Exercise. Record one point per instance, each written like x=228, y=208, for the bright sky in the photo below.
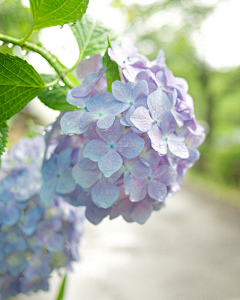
x=218, y=43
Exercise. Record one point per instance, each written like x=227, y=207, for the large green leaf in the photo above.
x=91, y=36
x=3, y=137
x=19, y=83
x=112, y=72
x=48, y=13
x=55, y=97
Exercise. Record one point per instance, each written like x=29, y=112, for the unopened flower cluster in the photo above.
x=35, y=238
x=128, y=150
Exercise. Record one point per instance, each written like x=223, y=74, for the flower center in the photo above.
x=155, y=121
x=149, y=177
x=131, y=103
x=111, y=146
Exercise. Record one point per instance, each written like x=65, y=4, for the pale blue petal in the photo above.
x=128, y=183
x=165, y=174
x=130, y=145
x=106, y=96
x=151, y=157
x=168, y=125
x=177, y=146
x=144, y=161
x=85, y=178
x=158, y=104
x=96, y=105
x=140, y=90
x=77, y=101
x=54, y=243
x=110, y=162
x=104, y=193
x=89, y=81
x=88, y=118
x=47, y=190
x=157, y=190
x=122, y=91
x=66, y=183
x=70, y=122
x=64, y=160
x=95, y=149
x=141, y=212
x=105, y=122
x=141, y=119
x=156, y=135
x=113, y=107
x=50, y=169
x=140, y=170
x=87, y=164
x=115, y=176
x=112, y=135
x=10, y=216
x=178, y=118
x=139, y=192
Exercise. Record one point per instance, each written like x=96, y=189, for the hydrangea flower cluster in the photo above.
x=128, y=150
x=35, y=238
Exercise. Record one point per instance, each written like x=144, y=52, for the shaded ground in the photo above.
x=188, y=251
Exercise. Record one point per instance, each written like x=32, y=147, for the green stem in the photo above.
x=27, y=36
x=75, y=65
x=53, y=82
x=50, y=58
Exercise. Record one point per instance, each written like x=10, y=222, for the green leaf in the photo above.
x=3, y=137
x=48, y=13
x=19, y=84
x=55, y=98
x=112, y=72
x=62, y=289
x=91, y=36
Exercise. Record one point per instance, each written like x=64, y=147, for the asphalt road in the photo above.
x=189, y=250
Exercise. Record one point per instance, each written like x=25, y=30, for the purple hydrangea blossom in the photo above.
x=127, y=160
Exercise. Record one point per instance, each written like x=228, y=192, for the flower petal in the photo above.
x=85, y=178
x=10, y=216
x=122, y=91
x=139, y=191
x=165, y=174
x=64, y=159
x=177, y=146
x=66, y=183
x=54, y=243
x=105, y=122
x=110, y=163
x=141, y=212
x=141, y=119
x=47, y=190
x=95, y=149
x=112, y=135
x=88, y=118
x=140, y=90
x=140, y=170
x=157, y=190
x=104, y=193
x=130, y=145
x=77, y=101
x=70, y=122
x=158, y=104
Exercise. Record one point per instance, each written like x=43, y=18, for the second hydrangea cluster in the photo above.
x=35, y=237
x=128, y=150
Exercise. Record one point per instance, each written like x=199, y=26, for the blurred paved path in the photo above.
x=188, y=251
